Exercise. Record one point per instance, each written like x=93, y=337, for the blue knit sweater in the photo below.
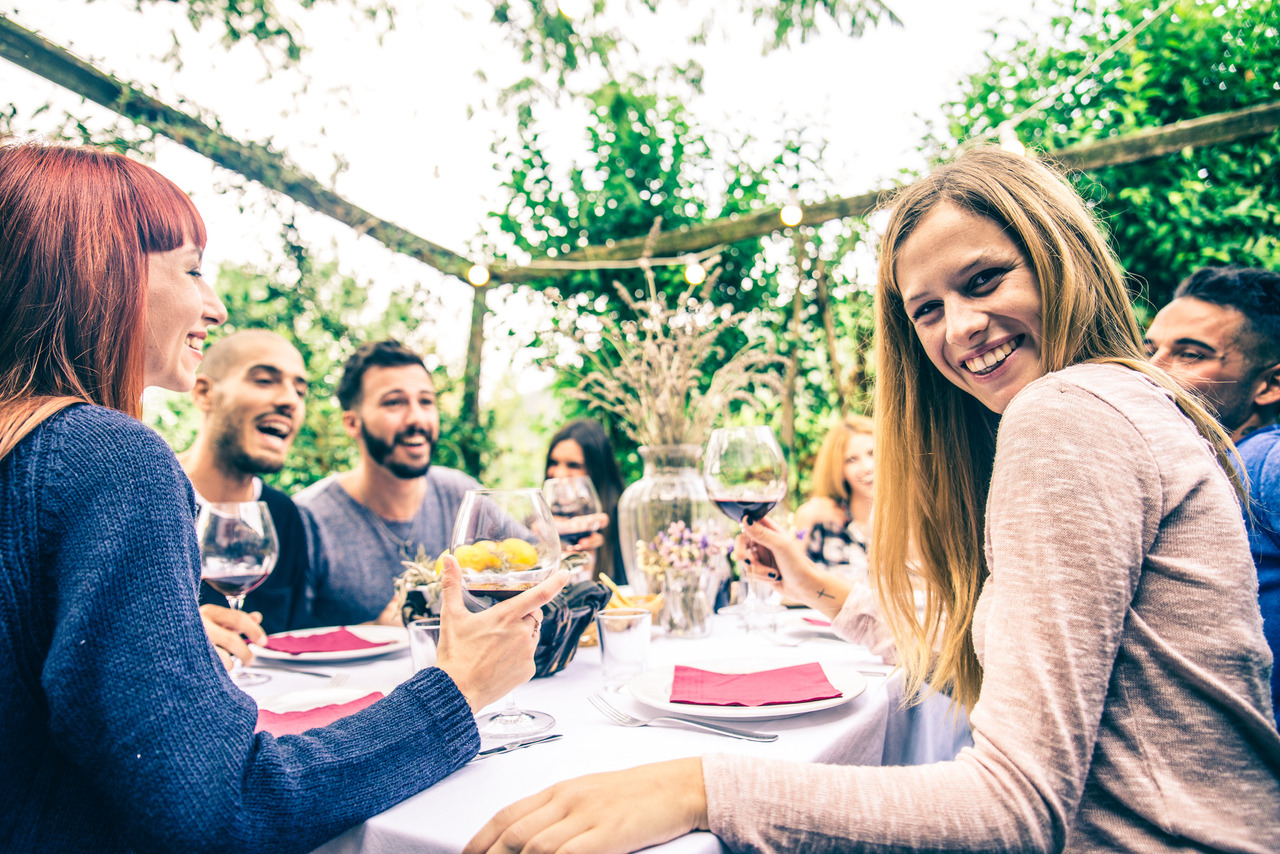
x=120, y=729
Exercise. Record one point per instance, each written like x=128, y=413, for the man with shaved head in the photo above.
x=251, y=392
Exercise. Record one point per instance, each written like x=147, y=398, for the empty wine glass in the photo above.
x=238, y=550
x=506, y=541
x=746, y=476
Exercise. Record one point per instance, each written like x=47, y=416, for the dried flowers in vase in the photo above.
x=648, y=373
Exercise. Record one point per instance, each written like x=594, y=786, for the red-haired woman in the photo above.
x=123, y=729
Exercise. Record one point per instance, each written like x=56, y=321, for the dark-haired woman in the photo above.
x=582, y=449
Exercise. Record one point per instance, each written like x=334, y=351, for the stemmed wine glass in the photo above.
x=238, y=550
x=575, y=506
x=505, y=541
x=746, y=476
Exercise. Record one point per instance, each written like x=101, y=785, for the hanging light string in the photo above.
x=1056, y=91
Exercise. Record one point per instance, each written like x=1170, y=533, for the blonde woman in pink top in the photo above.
x=1090, y=596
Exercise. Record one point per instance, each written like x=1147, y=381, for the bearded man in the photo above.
x=363, y=523
x=251, y=392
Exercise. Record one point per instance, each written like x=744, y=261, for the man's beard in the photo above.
x=231, y=455
x=379, y=451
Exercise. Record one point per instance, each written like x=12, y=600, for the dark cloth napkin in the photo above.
x=801, y=683
x=338, y=640
x=294, y=723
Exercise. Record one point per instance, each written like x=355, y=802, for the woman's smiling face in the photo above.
x=974, y=302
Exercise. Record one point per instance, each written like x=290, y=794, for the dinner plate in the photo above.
x=396, y=638
x=794, y=623
x=301, y=701
x=653, y=688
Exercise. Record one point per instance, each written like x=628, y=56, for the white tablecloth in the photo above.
x=869, y=730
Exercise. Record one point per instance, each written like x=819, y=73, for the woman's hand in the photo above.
x=602, y=813
x=490, y=653
x=777, y=558
x=227, y=628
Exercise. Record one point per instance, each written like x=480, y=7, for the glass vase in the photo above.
x=672, y=491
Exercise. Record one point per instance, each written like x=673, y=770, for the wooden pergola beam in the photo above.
x=257, y=162
x=1142, y=145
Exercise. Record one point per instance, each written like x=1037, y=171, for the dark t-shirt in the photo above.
x=282, y=597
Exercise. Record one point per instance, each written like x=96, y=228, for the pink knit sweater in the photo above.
x=1125, y=703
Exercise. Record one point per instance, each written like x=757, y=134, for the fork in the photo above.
x=627, y=720
x=337, y=680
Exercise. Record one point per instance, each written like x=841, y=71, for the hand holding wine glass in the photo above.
x=746, y=476
x=238, y=550
x=577, y=510
x=506, y=541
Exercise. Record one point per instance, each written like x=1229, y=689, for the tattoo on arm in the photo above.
x=823, y=594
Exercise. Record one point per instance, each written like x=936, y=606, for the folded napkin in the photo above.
x=293, y=723
x=338, y=640
x=814, y=621
x=801, y=683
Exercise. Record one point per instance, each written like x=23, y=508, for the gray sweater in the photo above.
x=356, y=555
x=1125, y=703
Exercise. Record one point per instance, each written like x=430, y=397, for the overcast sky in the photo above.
x=414, y=125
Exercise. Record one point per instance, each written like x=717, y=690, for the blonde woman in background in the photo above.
x=837, y=517
x=1091, y=597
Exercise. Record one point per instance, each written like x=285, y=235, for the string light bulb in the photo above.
x=478, y=275
x=694, y=273
x=575, y=9
x=791, y=214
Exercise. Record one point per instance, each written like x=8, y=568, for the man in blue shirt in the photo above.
x=1220, y=336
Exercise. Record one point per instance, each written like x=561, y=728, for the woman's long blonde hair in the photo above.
x=935, y=444
x=828, y=466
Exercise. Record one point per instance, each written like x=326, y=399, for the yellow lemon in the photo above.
x=440, y=562
x=472, y=557
x=492, y=552
x=518, y=553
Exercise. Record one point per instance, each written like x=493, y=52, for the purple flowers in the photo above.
x=680, y=547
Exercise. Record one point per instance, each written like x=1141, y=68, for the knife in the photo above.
x=516, y=745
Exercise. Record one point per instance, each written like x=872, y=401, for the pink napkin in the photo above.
x=814, y=621
x=294, y=723
x=338, y=640
x=801, y=683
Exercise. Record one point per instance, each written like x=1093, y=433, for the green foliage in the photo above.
x=326, y=315
x=802, y=17
x=1212, y=205
x=261, y=22
x=650, y=161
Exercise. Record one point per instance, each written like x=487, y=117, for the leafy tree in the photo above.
x=1213, y=205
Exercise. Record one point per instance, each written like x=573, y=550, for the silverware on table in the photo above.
x=627, y=720
x=516, y=745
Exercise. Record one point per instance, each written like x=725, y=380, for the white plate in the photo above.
x=396, y=637
x=653, y=688
x=793, y=622
x=301, y=701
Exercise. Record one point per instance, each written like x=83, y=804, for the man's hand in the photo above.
x=602, y=813
x=225, y=627
x=490, y=653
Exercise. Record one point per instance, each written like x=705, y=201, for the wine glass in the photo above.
x=506, y=541
x=746, y=476
x=575, y=506
x=238, y=549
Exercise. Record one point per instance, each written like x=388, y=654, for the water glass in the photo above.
x=624, y=644
x=424, y=636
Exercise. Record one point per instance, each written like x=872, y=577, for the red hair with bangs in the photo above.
x=76, y=226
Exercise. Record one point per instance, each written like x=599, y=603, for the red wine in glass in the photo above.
x=740, y=509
